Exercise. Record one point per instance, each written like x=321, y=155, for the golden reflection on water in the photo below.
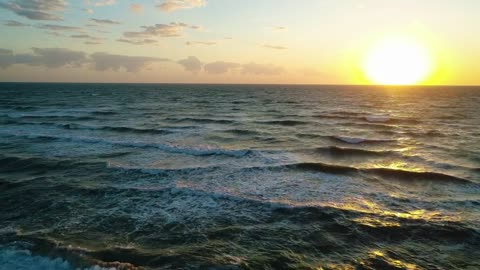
x=377, y=254
x=381, y=214
x=375, y=222
x=397, y=165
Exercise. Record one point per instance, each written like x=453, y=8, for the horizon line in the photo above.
x=289, y=84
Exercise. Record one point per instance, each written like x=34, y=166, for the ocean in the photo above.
x=165, y=176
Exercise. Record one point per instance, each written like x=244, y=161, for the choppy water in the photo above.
x=100, y=176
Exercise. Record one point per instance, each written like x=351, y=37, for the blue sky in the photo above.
x=227, y=41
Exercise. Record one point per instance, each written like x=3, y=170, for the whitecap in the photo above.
x=15, y=259
x=351, y=140
x=377, y=118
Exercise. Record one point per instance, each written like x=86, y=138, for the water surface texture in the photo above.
x=110, y=176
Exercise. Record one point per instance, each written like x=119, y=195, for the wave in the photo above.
x=103, y=113
x=200, y=120
x=348, y=152
x=356, y=140
x=382, y=172
x=242, y=132
x=170, y=148
x=121, y=129
x=23, y=259
x=283, y=122
x=414, y=175
x=49, y=116
x=16, y=164
x=377, y=118
x=322, y=167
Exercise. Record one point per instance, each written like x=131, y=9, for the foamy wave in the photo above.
x=356, y=140
x=377, y=118
x=170, y=148
x=24, y=260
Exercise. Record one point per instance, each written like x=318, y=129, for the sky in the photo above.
x=229, y=41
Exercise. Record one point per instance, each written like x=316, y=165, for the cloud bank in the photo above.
x=102, y=61
x=220, y=67
x=61, y=57
x=52, y=57
x=115, y=62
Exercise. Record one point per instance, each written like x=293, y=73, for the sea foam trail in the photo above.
x=170, y=148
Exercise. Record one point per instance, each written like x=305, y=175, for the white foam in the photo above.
x=167, y=147
x=351, y=140
x=377, y=118
x=14, y=259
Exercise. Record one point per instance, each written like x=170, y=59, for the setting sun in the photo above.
x=398, y=61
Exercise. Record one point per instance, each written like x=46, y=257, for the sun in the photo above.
x=397, y=61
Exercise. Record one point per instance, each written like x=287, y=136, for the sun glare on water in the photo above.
x=397, y=61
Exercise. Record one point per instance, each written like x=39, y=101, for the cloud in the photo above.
x=60, y=57
x=138, y=42
x=106, y=61
x=52, y=57
x=172, y=5
x=7, y=58
x=208, y=43
x=274, y=47
x=92, y=42
x=85, y=36
x=57, y=27
x=104, y=21
x=279, y=28
x=261, y=69
x=89, y=40
x=36, y=9
x=55, y=34
x=136, y=8
x=100, y=3
x=88, y=10
x=191, y=64
x=163, y=30
x=220, y=67
x=12, y=23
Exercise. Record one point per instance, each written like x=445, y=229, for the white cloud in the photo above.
x=88, y=10
x=100, y=3
x=172, y=5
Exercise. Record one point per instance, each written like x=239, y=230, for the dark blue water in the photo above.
x=97, y=176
